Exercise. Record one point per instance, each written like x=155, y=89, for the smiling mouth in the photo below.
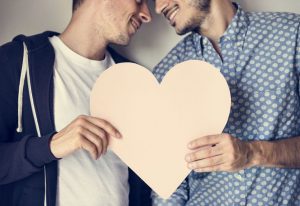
x=170, y=14
x=135, y=24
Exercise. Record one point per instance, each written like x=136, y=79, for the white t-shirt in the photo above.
x=83, y=181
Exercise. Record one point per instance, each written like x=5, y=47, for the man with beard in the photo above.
x=255, y=160
x=48, y=92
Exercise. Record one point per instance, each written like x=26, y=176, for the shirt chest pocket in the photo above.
x=267, y=114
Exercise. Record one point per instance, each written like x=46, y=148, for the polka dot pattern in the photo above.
x=261, y=63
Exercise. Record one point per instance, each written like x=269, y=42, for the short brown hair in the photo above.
x=76, y=4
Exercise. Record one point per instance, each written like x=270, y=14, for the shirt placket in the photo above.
x=231, y=73
x=210, y=55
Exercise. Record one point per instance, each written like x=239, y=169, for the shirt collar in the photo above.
x=236, y=30
x=238, y=27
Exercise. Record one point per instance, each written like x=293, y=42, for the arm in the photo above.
x=20, y=155
x=15, y=161
x=227, y=153
x=16, y=149
x=280, y=153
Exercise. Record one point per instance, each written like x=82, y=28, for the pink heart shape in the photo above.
x=158, y=120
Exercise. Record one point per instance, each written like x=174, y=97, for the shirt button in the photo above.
x=205, y=41
x=239, y=177
x=239, y=44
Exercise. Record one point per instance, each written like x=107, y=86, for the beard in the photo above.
x=121, y=39
x=202, y=5
x=194, y=23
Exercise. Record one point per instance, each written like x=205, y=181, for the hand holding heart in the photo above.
x=219, y=153
x=157, y=121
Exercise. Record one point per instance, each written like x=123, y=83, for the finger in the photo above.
x=100, y=133
x=208, y=162
x=106, y=126
x=96, y=130
x=204, y=152
x=204, y=141
x=104, y=138
x=89, y=147
x=98, y=141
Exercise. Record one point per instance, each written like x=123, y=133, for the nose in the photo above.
x=160, y=5
x=144, y=13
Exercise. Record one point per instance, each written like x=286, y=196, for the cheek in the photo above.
x=116, y=11
x=117, y=22
x=189, y=14
x=122, y=20
x=183, y=16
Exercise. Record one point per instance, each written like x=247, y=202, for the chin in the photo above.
x=123, y=43
x=185, y=28
x=182, y=31
x=122, y=40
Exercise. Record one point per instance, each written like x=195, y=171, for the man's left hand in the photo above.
x=219, y=153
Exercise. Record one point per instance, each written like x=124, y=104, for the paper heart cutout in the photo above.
x=158, y=120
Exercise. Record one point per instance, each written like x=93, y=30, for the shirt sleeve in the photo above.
x=20, y=155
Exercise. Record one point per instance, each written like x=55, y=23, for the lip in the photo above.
x=135, y=24
x=170, y=14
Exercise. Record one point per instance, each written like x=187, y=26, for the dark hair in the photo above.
x=76, y=4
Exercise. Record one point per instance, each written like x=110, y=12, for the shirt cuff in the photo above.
x=38, y=150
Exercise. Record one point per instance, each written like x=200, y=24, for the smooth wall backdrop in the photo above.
x=148, y=46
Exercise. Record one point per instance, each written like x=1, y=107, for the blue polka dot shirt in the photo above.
x=261, y=63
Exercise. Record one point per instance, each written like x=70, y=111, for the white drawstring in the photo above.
x=37, y=126
x=21, y=88
x=24, y=71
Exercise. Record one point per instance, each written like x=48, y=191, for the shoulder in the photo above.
x=279, y=27
x=11, y=53
x=274, y=19
x=11, y=56
x=183, y=46
x=175, y=56
x=13, y=50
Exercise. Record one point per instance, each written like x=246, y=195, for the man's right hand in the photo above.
x=85, y=132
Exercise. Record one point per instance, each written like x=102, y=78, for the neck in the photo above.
x=219, y=18
x=83, y=38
